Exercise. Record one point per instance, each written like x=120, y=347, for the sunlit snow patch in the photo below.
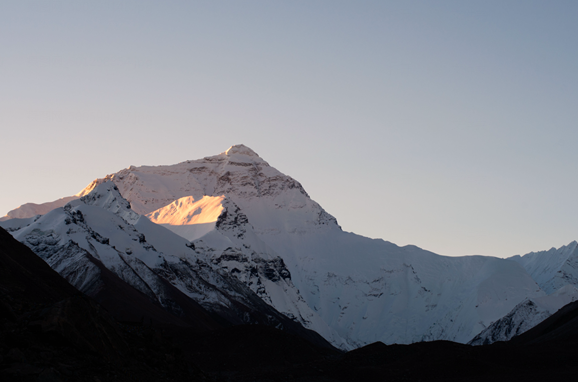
x=190, y=218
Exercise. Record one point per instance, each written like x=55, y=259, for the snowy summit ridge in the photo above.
x=240, y=150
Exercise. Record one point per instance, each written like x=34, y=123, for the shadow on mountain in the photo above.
x=51, y=332
x=546, y=352
x=561, y=327
x=130, y=306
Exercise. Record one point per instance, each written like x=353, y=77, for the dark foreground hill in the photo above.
x=51, y=332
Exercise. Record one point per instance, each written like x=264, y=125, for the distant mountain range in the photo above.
x=228, y=240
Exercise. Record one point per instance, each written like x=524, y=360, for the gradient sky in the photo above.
x=451, y=125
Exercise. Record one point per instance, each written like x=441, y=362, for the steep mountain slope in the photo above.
x=525, y=316
x=51, y=332
x=373, y=290
x=98, y=237
x=226, y=239
x=561, y=328
x=33, y=209
x=248, y=220
x=554, y=268
x=25, y=276
x=556, y=272
x=366, y=289
x=48, y=332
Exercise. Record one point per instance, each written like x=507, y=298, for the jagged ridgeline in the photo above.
x=248, y=244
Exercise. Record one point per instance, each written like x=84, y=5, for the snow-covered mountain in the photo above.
x=526, y=315
x=101, y=229
x=556, y=272
x=32, y=209
x=552, y=269
x=245, y=219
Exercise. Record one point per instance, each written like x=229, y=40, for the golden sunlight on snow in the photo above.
x=188, y=211
x=87, y=189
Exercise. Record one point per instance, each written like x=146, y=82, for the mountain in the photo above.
x=230, y=228
x=98, y=238
x=32, y=209
x=525, y=316
x=552, y=269
x=51, y=332
x=556, y=272
x=560, y=328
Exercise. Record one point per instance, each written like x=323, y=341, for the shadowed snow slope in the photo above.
x=554, y=268
x=526, y=315
x=556, y=272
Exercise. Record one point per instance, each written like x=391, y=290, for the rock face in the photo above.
x=231, y=222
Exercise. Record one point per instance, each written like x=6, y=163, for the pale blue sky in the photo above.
x=450, y=125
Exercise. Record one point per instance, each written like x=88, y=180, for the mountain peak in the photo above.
x=107, y=196
x=240, y=150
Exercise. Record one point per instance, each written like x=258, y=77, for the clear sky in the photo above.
x=451, y=125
